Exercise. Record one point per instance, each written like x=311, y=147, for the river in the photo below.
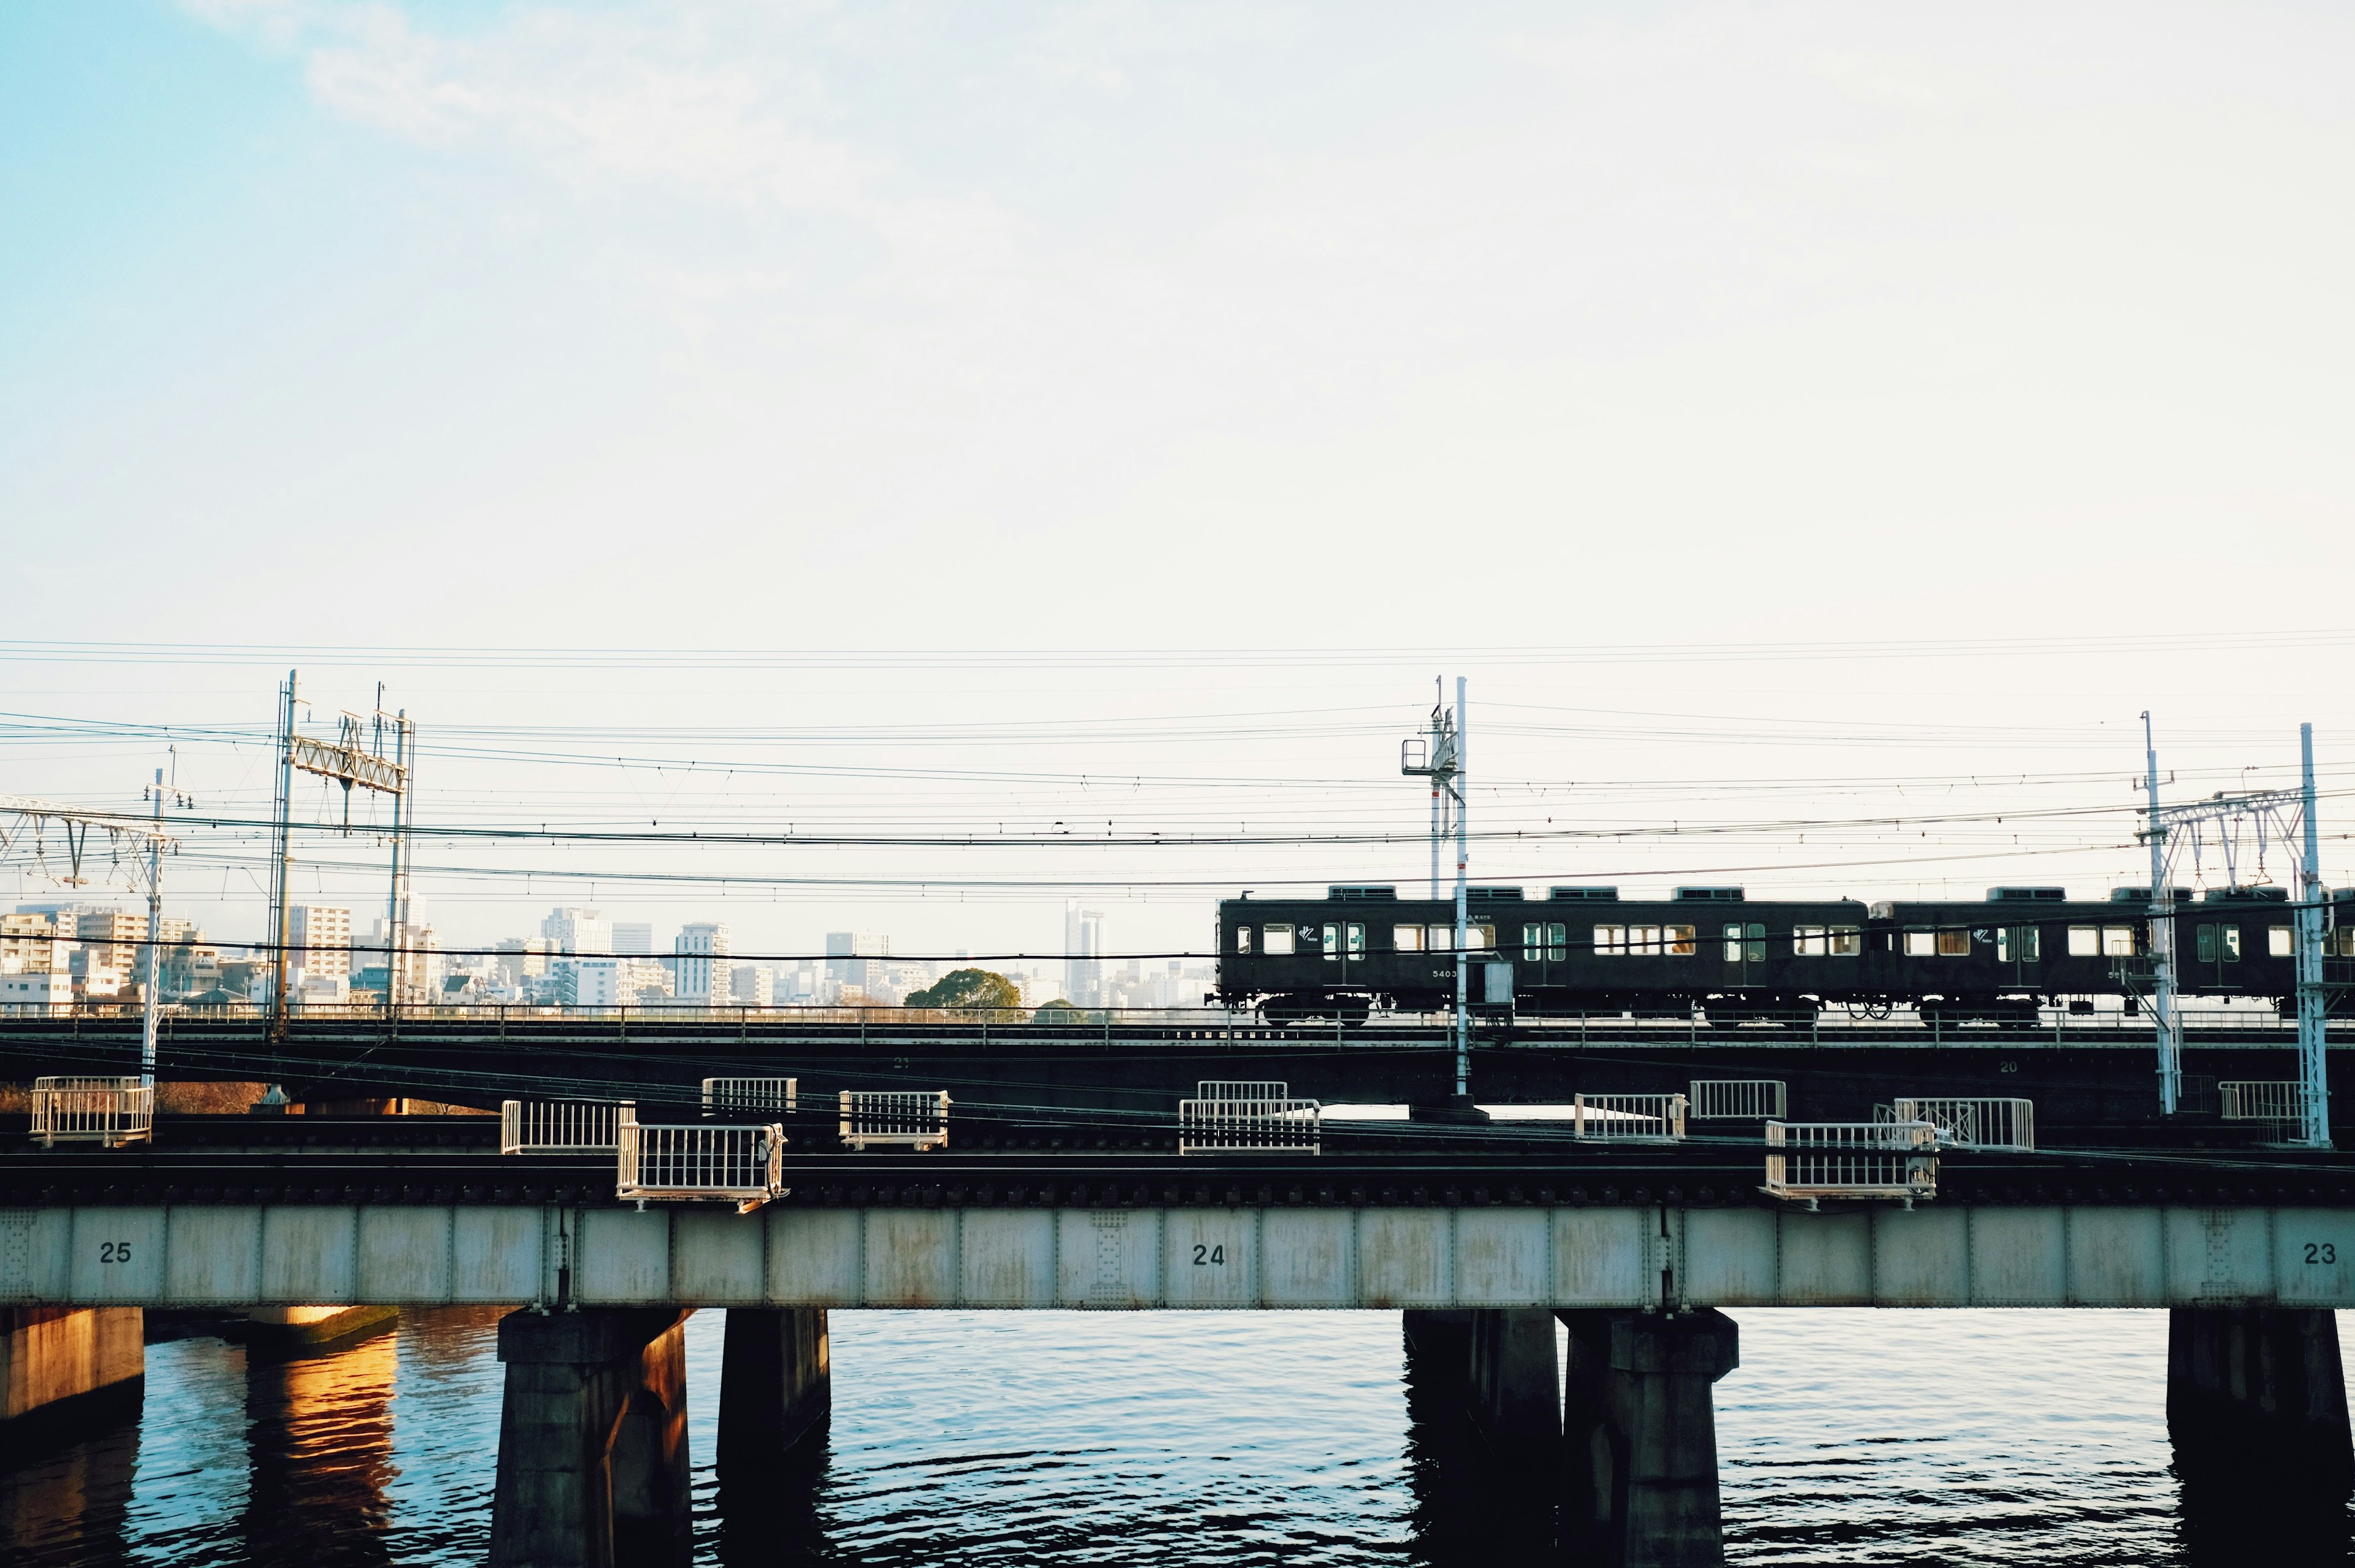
x=1165, y=1438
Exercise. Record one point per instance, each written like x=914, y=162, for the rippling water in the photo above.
x=1073, y=1438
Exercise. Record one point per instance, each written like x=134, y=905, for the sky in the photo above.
x=921, y=417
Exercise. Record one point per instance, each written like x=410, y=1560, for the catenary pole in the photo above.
x=2166, y=1021
x=281, y=870
x=1463, y=903
x=2313, y=1023
x=148, y=986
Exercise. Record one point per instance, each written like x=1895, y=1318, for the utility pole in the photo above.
x=396, y=914
x=2167, y=1018
x=151, y=983
x=282, y=865
x=1463, y=910
x=1439, y=756
x=2313, y=1011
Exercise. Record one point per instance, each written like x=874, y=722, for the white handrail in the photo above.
x=692, y=1160
x=2262, y=1100
x=562, y=1127
x=752, y=1094
x=1241, y=1089
x=108, y=1112
x=1851, y=1159
x=917, y=1119
x=1964, y=1123
x=1655, y=1116
x=1739, y=1099
x=1276, y=1125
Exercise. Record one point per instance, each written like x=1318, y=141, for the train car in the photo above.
x=1585, y=949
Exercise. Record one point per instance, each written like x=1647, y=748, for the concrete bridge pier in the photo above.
x=2256, y=1403
x=592, y=1440
x=283, y=1333
x=775, y=1385
x=67, y=1370
x=1640, y=1437
x=1516, y=1376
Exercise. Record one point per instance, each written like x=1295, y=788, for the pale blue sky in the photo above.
x=1121, y=325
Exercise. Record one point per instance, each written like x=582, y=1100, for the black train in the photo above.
x=1585, y=949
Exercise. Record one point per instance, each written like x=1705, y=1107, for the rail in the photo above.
x=699, y=1161
x=722, y=1094
x=1993, y=1124
x=2259, y=1100
x=1657, y=1118
x=562, y=1127
x=2054, y=1024
x=895, y=1117
x=110, y=1111
x=1813, y=1160
x=1739, y=1100
x=1233, y=1125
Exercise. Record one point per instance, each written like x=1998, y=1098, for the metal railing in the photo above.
x=562, y=1127
x=1241, y=1089
x=724, y=1094
x=2261, y=1100
x=1851, y=1159
x=1660, y=1117
x=1739, y=1099
x=1971, y=1123
x=108, y=1112
x=2055, y=1024
x=1275, y=1123
x=914, y=1119
x=696, y=1160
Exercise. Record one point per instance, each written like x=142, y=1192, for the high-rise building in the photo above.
x=634, y=936
x=752, y=986
x=570, y=930
x=28, y=942
x=700, y=964
x=847, y=961
x=121, y=930
x=1083, y=946
x=521, y=957
x=320, y=939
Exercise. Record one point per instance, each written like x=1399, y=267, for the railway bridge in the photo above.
x=1483, y=1236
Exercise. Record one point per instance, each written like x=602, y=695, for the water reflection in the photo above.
x=1170, y=1438
x=319, y=1438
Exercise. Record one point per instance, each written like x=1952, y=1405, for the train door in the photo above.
x=1745, y=953
x=2215, y=955
x=1345, y=944
x=2019, y=950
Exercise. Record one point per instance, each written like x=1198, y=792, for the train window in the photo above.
x=1549, y=943
x=1277, y=940
x=1242, y=938
x=1681, y=941
x=1733, y=945
x=1847, y=942
x=1350, y=938
x=1440, y=939
x=2232, y=939
x=2117, y=942
x=1807, y=941
x=1753, y=941
x=2084, y=942
x=2346, y=936
x=1407, y=938
x=1483, y=936
x=2017, y=944
x=2203, y=945
x=2277, y=943
x=1921, y=944
x=1610, y=941
x=1645, y=940
x=1954, y=945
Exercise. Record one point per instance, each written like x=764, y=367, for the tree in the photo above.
x=967, y=988
x=1057, y=1011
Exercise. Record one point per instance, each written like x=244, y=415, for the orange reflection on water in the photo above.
x=319, y=1439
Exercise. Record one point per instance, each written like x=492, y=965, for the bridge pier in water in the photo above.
x=1640, y=1436
x=592, y=1440
x=776, y=1385
x=67, y=1370
x=2256, y=1408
